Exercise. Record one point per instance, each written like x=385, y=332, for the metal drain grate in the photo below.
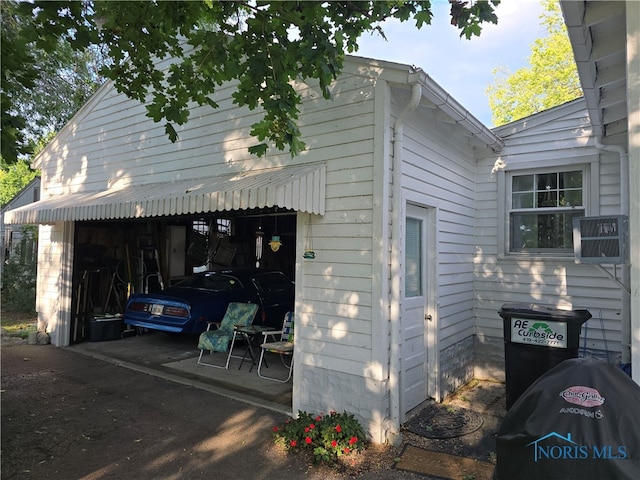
x=442, y=421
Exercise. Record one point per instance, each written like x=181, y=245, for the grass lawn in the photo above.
x=17, y=324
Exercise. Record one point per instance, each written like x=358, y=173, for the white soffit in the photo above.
x=598, y=35
x=300, y=188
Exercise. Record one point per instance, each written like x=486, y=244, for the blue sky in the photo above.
x=462, y=67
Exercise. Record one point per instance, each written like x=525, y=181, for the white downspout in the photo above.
x=396, y=255
x=625, y=275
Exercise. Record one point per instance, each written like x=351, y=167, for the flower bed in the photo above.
x=328, y=436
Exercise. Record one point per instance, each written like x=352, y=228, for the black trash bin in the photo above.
x=536, y=339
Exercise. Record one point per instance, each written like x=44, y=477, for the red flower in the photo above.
x=353, y=440
x=308, y=440
x=346, y=450
x=312, y=426
x=334, y=444
x=293, y=443
x=306, y=430
x=275, y=429
x=318, y=418
x=338, y=428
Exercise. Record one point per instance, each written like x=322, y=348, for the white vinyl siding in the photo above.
x=111, y=143
x=129, y=148
x=439, y=170
x=344, y=298
x=547, y=141
x=53, y=298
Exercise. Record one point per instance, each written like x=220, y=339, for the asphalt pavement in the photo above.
x=67, y=415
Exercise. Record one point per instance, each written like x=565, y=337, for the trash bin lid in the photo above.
x=545, y=312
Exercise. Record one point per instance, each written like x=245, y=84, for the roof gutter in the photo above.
x=624, y=172
x=421, y=85
x=445, y=102
x=625, y=274
x=396, y=258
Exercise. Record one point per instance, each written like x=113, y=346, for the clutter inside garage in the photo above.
x=114, y=259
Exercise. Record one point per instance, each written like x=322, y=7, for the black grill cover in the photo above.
x=580, y=420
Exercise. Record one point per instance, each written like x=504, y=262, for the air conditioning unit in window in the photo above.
x=601, y=240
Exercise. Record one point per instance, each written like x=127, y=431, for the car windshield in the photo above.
x=272, y=282
x=211, y=281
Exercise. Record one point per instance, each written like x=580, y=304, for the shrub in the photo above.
x=19, y=276
x=329, y=436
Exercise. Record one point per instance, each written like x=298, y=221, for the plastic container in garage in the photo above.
x=105, y=328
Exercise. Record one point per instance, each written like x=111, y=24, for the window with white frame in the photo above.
x=543, y=205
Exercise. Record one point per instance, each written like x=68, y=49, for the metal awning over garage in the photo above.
x=300, y=188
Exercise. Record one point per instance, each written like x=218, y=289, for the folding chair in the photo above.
x=283, y=347
x=237, y=314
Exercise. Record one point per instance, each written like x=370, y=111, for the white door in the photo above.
x=415, y=317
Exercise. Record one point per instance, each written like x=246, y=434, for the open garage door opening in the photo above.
x=115, y=260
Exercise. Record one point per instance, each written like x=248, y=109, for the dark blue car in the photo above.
x=187, y=306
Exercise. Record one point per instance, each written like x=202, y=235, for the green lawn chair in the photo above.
x=218, y=340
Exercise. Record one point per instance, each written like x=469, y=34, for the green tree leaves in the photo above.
x=45, y=78
x=14, y=178
x=550, y=80
x=469, y=17
x=263, y=45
